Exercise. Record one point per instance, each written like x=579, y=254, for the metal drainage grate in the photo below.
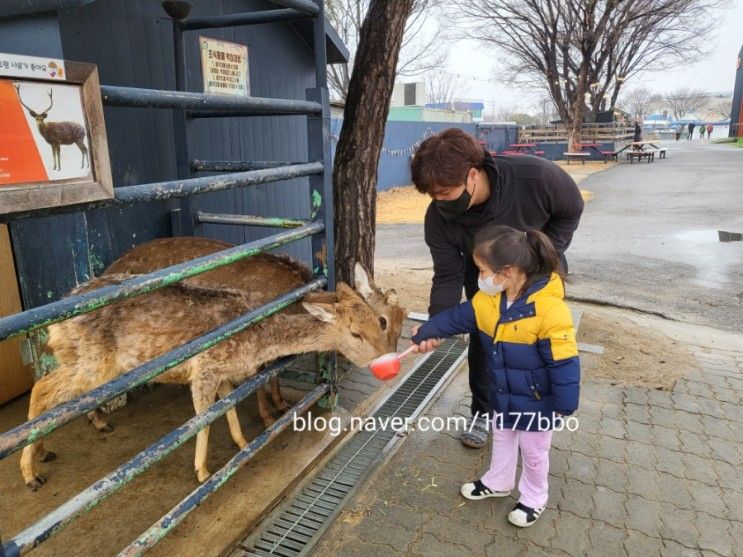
x=303, y=519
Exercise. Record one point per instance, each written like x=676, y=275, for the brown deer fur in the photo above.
x=264, y=276
x=97, y=347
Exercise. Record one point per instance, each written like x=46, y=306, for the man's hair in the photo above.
x=443, y=160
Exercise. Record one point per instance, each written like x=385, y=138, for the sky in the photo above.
x=479, y=80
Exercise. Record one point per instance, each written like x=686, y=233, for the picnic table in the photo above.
x=641, y=148
x=523, y=149
x=607, y=155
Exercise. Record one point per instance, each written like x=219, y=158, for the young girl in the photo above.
x=527, y=331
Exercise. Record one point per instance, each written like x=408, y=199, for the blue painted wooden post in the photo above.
x=321, y=192
x=182, y=218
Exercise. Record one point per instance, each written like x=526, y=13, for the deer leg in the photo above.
x=96, y=418
x=84, y=151
x=276, y=397
x=44, y=395
x=55, y=154
x=263, y=407
x=204, y=392
x=223, y=390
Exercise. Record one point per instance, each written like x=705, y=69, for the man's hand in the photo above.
x=427, y=345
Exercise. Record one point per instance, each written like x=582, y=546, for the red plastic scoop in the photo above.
x=388, y=366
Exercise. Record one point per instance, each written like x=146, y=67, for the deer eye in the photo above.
x=383, y=322
x=356, y=335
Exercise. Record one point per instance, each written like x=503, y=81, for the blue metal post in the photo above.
x=87, y=499
x=176, y=515
x=321, y=191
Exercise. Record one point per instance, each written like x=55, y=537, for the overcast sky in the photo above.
x=715, y=73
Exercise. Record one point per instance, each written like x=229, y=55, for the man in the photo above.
x=469, y=189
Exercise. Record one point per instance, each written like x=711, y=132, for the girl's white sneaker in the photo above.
x=477, y=490
x=523, y=516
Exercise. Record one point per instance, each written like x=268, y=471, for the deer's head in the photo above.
x=39, y=117
x=356, y=329
x=385, y=304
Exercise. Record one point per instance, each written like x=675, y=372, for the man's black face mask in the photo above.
x=451, y=209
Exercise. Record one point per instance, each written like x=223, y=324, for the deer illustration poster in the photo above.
x=43, y=134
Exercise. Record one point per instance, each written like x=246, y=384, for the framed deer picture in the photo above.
x=53, y=148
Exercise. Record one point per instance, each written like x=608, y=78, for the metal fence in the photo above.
x=233, y=174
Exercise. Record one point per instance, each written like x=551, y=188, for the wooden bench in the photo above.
x=610, y=155
x=639, y=155
x=577, y=157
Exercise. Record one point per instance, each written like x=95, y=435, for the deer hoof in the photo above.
x=49, y=456
x=36, y=482
x=202, y=475
x=283, y=406
x=106, y=428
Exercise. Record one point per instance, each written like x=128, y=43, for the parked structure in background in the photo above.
x=736, y=113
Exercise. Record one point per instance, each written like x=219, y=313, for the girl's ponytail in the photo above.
x=548, y=261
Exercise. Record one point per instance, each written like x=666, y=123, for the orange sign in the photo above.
x=20, y=160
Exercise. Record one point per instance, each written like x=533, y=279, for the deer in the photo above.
x=58, y=133
x=96, y=347
x=265, y=275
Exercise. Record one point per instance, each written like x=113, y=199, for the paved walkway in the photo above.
x=647, y=473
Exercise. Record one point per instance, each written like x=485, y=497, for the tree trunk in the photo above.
x=575, y=126
x=360, y=142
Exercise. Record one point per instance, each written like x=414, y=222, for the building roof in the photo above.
x=336, y=51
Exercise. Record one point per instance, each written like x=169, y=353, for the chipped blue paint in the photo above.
x=176, y=515
x=83, y=303
x=87, y=499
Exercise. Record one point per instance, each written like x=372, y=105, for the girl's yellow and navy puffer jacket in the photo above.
x=532, y=353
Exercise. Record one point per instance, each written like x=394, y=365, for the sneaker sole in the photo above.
x=496, y=494
x=522, y=525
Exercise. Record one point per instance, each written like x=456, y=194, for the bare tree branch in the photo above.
x=585, y=51
x=425, y=44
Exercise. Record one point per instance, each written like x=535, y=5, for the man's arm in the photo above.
x=565, y=206
x=448, y=265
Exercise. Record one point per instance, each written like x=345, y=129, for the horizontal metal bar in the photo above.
x=249, y=220
x=206, y=184
x=162, y=527
x=157, y=98
x=43, y=425
x=141, y=284
x=237, y=166
x=247, y=18
x=158, y=191
x=302, y=5
x=84, y=501
x=19, y=7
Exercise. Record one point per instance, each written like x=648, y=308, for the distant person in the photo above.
x=638, y=132
x=710, y=127
x=692, y=125
x=701, y=132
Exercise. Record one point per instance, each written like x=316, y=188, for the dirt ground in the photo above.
x=407, y=205
x=633, y=354
x=85, y=455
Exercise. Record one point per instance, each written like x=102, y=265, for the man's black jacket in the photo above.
x=526, y=193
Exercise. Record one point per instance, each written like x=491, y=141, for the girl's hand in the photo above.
x=427, y=345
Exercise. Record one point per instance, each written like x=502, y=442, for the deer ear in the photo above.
x=322, y=312
x=344, y=291
x=391, y=297
x=361, y=280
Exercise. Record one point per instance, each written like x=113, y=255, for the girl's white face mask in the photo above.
x=489, y=287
